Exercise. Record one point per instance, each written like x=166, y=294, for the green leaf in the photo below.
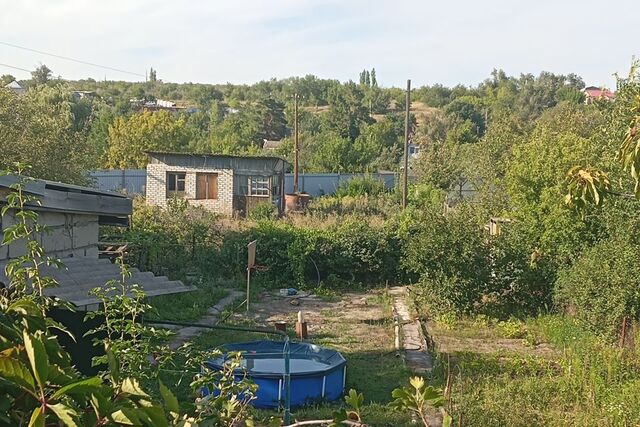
x=14, y=370
x=65, y=414
x=446, y=419
x=114, y=365
x=155, y=416
x=170, y=400
x=126, y=416
x=37, y=357
x=37, y=418
x=132, y=387
x=86, y=386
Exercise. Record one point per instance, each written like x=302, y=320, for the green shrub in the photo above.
x=263, y=212
x=361, y=186
x=603, y=286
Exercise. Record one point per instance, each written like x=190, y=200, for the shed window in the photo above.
x=176, y=184
x=206, y=186
x=259, y=186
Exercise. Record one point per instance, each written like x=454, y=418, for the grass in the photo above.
x=583, y=382
x=188, y=306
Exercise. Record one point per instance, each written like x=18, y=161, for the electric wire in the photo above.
x=67, y=58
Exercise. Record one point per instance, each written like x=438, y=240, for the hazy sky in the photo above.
x=243, y=41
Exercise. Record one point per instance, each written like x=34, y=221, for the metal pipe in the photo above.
x=286, y=350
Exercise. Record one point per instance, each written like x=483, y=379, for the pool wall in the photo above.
x=306, y=387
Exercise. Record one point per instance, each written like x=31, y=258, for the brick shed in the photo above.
x=225, y=184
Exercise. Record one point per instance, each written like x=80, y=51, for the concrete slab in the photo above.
x=412, y=340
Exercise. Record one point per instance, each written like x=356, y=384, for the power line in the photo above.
x=66, y=58
x=15, y=68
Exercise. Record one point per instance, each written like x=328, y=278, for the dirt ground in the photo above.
x=360, y=316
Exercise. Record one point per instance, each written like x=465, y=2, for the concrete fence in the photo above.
x=134, y=181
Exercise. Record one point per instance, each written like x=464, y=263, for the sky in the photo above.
x=244, y=41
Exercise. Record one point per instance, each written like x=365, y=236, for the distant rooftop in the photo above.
x=13, y=85
x=598, y=92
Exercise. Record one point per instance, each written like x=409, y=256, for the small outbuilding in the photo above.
x=225, y=184
x=73, y=215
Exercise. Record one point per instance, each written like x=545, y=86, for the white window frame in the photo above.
x=259, y=186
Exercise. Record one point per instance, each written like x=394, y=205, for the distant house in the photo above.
x=271, y=145
x=414, y=150
x=15, y=87
x=593, y=93
x=224, y=184
x=84, y=94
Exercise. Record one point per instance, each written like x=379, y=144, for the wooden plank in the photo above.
x=212, y=186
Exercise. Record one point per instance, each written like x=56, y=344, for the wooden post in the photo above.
x=248, y=286
x=405, y=160
x=296, y=146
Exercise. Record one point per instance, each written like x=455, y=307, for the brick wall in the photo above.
x=157, y=187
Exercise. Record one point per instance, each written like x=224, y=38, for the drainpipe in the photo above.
x=286, y=352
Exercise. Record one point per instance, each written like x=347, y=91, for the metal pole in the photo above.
x=287, y=381
x=296, y=146
x=405, y=161
x=248, y=286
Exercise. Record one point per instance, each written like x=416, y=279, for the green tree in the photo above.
x=5, y=79
x=347, y=112
x=129, y=138
x=38, y=129
x=41, y=75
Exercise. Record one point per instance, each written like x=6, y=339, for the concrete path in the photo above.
x=184, y=334
x=412, y=341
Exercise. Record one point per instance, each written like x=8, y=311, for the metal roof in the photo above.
x=156, y=154
x=113, y=208
x=82, y=274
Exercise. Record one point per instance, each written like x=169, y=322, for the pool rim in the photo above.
x=341, y=364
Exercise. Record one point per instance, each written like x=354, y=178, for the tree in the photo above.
x=41, y=75
x=535, y=178
x=38, y=129
x=5, y=79
x=374, y=80
x=129, y=138
x=346, y=112
x=153, y=75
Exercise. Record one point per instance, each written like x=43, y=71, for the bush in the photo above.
x=350, y=252
x=361, y=186
x=448, y=254
x=263, y=212
x=603, y=286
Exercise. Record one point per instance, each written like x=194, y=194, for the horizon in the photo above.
x=449, y=44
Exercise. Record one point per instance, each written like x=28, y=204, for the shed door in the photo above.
x=206, y=186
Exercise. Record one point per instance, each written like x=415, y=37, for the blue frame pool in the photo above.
x=317, y=373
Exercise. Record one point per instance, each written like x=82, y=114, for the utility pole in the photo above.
x=405, y=160
x=296, y=146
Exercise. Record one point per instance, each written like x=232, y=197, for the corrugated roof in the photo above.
x=222, y=156
x=82, y=274
x=71, y=198
x=13, y=85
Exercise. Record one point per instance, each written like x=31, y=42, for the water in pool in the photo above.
x=276, y=365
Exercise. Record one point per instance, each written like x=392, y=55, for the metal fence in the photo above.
x=133, y=181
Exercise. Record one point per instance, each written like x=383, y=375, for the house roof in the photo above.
x=597, y=92
x=112, y=208
x=13, y=85
x=156, y=154
x=271, y=145
x=82, y=274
